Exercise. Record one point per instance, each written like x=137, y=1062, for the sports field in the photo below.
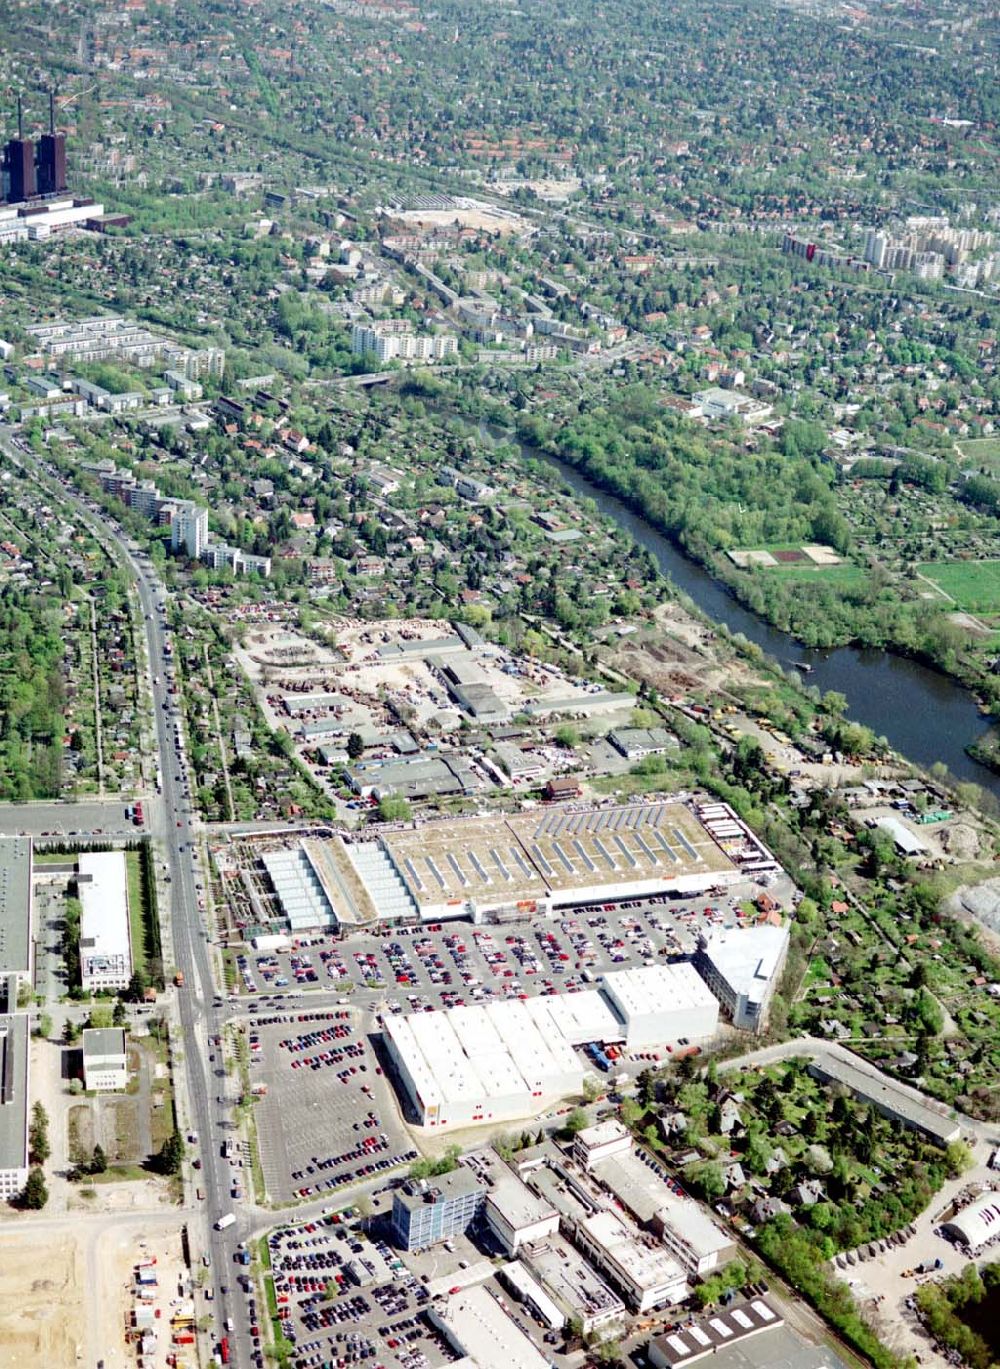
x=973, y=585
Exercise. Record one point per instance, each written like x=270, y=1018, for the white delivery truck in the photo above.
x=225, y=1221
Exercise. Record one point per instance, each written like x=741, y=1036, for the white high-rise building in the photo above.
x=189, y=530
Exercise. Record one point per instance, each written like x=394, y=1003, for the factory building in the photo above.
x=476, y=1326
x=662, y=1003
x=13, y=1095
x=683, y=1226
x=718, y=1332
x=742, y=967
x=105, y=940
x=428, y=1211
x=528, y=1290
x=573, y=1285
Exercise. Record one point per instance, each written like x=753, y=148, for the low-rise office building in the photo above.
x=516, y=1215
x=601, y=1142
x=646, y=1274
x=105, y=1059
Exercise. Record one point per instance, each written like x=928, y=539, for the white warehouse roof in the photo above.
x=662, y=1003
x=747, y=958
x=978, y=1223
x=103, y=890
x=577, y=1017
x=494, y=1059
x=475, y=1322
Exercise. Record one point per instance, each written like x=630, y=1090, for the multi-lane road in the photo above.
x=171, y=823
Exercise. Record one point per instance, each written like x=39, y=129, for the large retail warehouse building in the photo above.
x=500, y=868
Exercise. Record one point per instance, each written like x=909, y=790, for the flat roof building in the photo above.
x=707, y=1335
x=105, y=1059
x=428, y=1211
x=600, y=1142
x=105, y=937
x=646, y=1274
x=13, y=1104
x=683, y=1225
x=475, y=1324
x=892, y=1099
x=742, y=967
x=16, y=907
x=661, y=1003
x=528, y=1290
x=516, y=1215
x=491, y=1063
x=572, y=1284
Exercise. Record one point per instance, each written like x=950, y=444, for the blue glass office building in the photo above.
x=425, y=1212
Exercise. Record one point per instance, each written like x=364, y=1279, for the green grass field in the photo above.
x=844, y=576
x=981, y=451
x=974, y=585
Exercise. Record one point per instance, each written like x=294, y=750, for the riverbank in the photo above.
x=923, y=714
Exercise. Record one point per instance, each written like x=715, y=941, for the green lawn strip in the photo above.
x=135, y=911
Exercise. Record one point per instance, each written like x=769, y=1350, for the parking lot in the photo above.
x=411, y=969
x=325, y=1116
x=343, y=1299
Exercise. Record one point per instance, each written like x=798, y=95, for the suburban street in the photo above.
x=170, y=823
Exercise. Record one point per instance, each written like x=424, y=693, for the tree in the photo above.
x=171, y=1153
x=119, y=1017
x=958, y=1158
x=98, y=1161
x=708, y=1177
x=591, y=1090
x=38, y=1136
x=137, y=987
x=34, y=1195
x=394, y=808
x=355, y=745
x=44, y=1027
x=575, y=1122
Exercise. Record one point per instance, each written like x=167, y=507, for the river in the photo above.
x=923, y=714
